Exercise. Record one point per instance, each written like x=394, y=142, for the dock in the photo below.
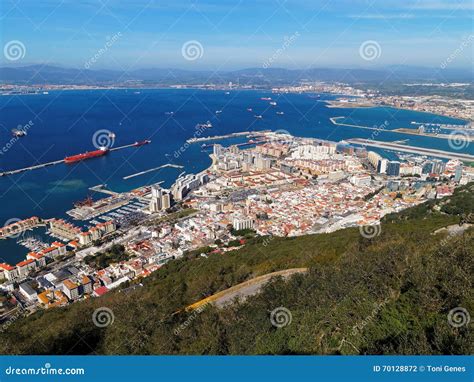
x=412, y=149
x=53, y=163
x=227, y=136
x=13, y=172
x=259, y=142
x=102, y=188
x=151, y=170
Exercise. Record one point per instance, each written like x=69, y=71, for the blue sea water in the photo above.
x=64, y=123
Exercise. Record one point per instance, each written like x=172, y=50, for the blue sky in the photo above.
x=237, y=34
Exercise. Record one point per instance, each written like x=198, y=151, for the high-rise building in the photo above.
x=382, y=166
x=187, y=183
x=427, y=168
x=239, y=224
x=218, y=150
x=160, y=199
x=374, y=158
x=438, y=166
x=393, y=168
x=155, y=202
x=155, y=205
x=156, y=192
x=458, y=174
x=165, y=201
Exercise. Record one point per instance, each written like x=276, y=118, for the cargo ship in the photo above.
x=87, y=155
x=141, y=143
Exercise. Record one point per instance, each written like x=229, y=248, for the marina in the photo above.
x=334, y=121
x=412, y=149
x=33, y=244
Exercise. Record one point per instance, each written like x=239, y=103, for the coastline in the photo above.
x=194, y=160
x=347, y=105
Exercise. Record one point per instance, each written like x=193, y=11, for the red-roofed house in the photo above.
x=8, y=272
x=24, y=267
x=50, y=252
x=60, y=246
x=73, y=244
x=100, y=291
x=38, y=257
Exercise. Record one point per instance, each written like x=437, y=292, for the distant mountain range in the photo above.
x=45, y=74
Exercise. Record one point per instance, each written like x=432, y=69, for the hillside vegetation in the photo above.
x=390, y=294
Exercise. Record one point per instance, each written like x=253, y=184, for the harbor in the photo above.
x=61, y=187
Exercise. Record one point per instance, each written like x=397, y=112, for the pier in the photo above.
x=102, y=188
x=151, y=170
x=47, y=164
x=258, y=142
x=12, y=172
x=412, y=149
x=227, y=136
